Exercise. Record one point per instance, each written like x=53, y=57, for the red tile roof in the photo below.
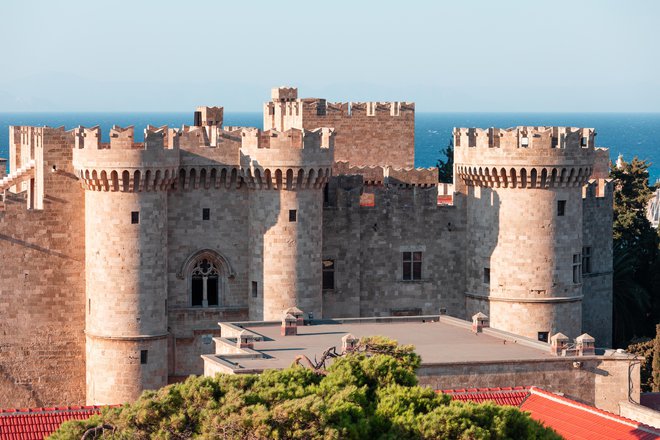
x=39, y=423
x=501, y=396
x=578, y=421
x=571, y=419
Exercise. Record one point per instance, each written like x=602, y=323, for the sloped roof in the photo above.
x=39, y=423
x=501, y=396
x=578, y=421
x=571, y=419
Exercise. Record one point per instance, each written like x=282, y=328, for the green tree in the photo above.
x=446, y=167
x=635, y=253
x=656, y=360
x=372, y=394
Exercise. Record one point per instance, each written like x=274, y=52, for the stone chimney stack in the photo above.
x=349, y=343
x=245, y=340
x=289, y=325
x=558, y=342
x=586, y=345
x=298, y=314
x=479, y=322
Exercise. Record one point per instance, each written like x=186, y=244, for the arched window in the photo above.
x=206, y=273
x=204, y=284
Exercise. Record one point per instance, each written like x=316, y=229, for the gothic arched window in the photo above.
x=204, y=284
x=206, y=273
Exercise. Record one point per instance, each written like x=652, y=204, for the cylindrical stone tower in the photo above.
x=523, y=190
x=286, y=172
x=126, y=260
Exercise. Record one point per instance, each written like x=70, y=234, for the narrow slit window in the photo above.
x=328, y=274
x=486, y=275
x=293, y=215
x=561, y=208
x=586, y=259
x=206, y=214
x=144, y=356
x=255, y=289
x=135, y=217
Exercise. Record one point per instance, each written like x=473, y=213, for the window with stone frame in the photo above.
x=577, y=268
x=204, y=284
x=412, y=266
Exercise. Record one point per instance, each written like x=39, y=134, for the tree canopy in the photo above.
x=446, y=167
x=636, y=263
x=368, y=394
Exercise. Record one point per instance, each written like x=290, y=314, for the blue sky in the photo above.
x=540, y=56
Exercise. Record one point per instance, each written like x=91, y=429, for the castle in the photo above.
x=120, y=258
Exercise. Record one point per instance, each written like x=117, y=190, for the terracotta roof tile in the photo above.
x=38, y=423
x=512, y=396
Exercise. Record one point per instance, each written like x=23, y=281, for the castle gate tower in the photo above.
x=126, y=257
x=523, y=191
x=286, y=173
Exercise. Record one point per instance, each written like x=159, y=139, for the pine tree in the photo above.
x=446, y=168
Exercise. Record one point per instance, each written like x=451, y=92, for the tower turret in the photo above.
x=126, y=257
x=286, y=172
x=523, y=189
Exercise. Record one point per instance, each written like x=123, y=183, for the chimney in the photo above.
x=558, y=343
x=586, y=345
x=479, y=322
x=245, y=340
x=349, y=343
x=297, y=313
x=289, y=325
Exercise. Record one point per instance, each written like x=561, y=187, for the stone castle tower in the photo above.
x=523, y=191
x=125, y=264
x=286, y=173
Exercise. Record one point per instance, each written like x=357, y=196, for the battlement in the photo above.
x=320, y=138
x=282, y=94
x=122, y=164
x=318, y=107
x=290, y=159
x=528, y=137
x=210, y=116
x=391, y=176
x=598, y=189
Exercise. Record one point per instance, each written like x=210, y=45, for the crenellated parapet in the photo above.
x=123, y=164
x=390, y=176
x=287, y=160
x=526, y=157
x=318, y=107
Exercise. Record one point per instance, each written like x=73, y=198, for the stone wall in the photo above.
x=42, y=297
x=367, y=242
x=595, y=381
x=597, y=283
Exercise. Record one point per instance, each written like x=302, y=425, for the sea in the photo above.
x=628, y=134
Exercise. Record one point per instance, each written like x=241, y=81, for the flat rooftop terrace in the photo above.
x=438, y=340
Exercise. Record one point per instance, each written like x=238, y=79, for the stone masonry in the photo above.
x=120, y=258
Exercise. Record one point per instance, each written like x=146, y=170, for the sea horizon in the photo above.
x=628, y=133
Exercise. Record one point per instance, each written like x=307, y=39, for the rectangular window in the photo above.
x=486, y=275
x=255, y=289
x=328, y=274
x=583, y=142
x=293, y=215
x=524, y=142
x=577, y=268
x=561, y=208
x=206, y=213
x=143, y=356
x=135, y=217
x=412, y=266
x=586, y=259
x=543, y=336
